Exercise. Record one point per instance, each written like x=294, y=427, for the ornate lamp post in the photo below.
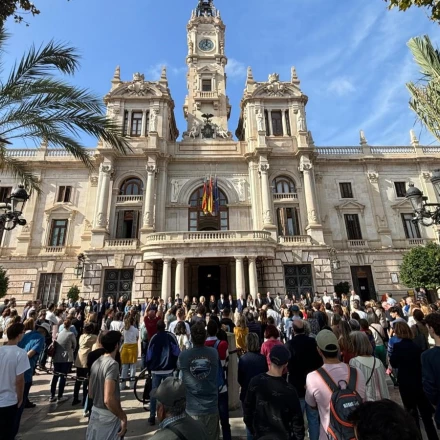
x=12, y=208
x=79, y=268
x=419, y=203
x=334, y=262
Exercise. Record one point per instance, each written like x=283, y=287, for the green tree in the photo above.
x=425, y=94
x=421, y=267
x=36, y=105
x=73, y=293
x=16, y=8
x=342, y=287
x=433, y=6
x=4, y=282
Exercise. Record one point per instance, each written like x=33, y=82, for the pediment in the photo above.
x=403, y=205
x=136, y=89
x=207, y=69
x=350, y=205
x=276, y=89
x=61, y=209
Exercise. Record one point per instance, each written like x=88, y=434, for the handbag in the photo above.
x=51, y=350
x=372, y=372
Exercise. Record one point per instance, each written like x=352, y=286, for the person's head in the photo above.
x=327, y=343
x=201, y=310
x=433, y=324
x=279, y=357
x=128, y=322
x=270, y=320
x=253, y=342
x=372, y=318
x=402, y=330
x=242, y=322
x=394, y=312
x=353, y=293
x=298, y=327
x=268, y=295
x=263, y=316
x=6, y=313
x=388, y=295
x=212, y=328
x=6, y=301
x=356, y=305
x=67, y=324
x=222, y=297
x=354, y=325
x=250, y=317
x=51, y=307
x=180, y=314
x=295, y=310
x=364, y=325
x=418, y=316
x=287, y=313
x=161, y=325
x=271, y=332
x=171, y=398
x=89, y=327
x=43, y=329
x=226, y=312
x=180, y=328
x=29, y=324
x=383, y=420
x=198, y=334
x=15, y=332
x=151, y=313
x=336, y=319
x=361, y=344
x=110, y=341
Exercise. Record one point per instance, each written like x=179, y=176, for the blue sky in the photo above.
x=350, y=55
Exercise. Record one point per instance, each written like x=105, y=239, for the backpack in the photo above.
x=342, y=403
x=220, y=374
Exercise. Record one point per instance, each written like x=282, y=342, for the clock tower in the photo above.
x=206, y=108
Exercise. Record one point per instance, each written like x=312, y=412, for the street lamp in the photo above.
x=13, y=208
x=334, y=262
x=419, y=203
x=79, y=268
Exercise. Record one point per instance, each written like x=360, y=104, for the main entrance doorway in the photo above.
x=363, y=282
x=209, y=281
x=118, y=284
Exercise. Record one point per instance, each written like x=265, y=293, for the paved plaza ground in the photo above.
x=52, y=421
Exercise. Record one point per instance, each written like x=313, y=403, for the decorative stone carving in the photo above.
x=373, y=177
x=381, y=221
x=153, y=119
x=318, y=177
x=190, y=46
x=106, y=169
x=413, y=137
x=87, y=225
x=260, y=120
x=151, y=168
x=267, y=217
x=240, y=187
x=312, y=216
x=310, y=140
x=26, y=229
x=363, y=139
x=305, y=164
x=301, y=120
x=263, y=167
x=137, y=86
x=293, y=75
x=194, y=132
x=426, y=176
x=221, y=132
x=147, y=218
x=93, y=180
x=102, y=220
x=275, y=87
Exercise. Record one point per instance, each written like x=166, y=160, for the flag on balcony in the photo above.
x=216, y=197
x=210, y=197
x=205, y=198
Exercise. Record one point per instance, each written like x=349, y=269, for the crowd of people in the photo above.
x=324, y=358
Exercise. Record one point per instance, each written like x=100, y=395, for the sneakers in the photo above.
x=53, y=399
x=152, y=421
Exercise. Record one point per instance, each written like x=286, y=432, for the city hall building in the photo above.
x=289, y=216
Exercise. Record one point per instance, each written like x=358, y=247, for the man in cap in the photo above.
x=272, y=407
x=175, y=423
x=318, y=394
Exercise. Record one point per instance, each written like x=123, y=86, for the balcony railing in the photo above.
x=122, y=243
x=206, y=95
x=54, y=249
x=21, y=153
x=285, y=196
x=295, y=239
x=357, y=243
x=129, y=199
x=208, y=236
x=338, y=150
x=393, y=150
x=415, y=241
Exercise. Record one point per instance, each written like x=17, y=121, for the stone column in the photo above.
x=269, y=116
x=148, y=222
x=283, y=118
x=166, y=279
x=101, y=218
x=265, y=191
x=253, y=278
x=180, y=277
x=161, y=199
x=144, y=123
x=129, y=123
x=239, y=276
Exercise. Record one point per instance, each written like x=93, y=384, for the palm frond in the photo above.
x=426, y=56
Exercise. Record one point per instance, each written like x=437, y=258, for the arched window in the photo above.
x=132, y=187
x=199, y=221
x=283, y=185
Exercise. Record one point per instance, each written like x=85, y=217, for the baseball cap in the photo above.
x=295, y=308
x=170, y=391
x=327, y=341
x=279, y=355
x=46, y=327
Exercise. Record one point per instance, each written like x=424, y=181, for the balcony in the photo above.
x=206, y=244
x=357, y=244
x=286, y=197
x=295, y=240
x=54, y=250
x=122, y=243
x=130, y=199
x=207, y=95
x=415, y=241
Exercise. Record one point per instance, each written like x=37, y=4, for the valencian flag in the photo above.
x=216, y=197
x=210, y=197
x=205, y=198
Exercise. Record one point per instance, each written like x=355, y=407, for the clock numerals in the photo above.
x=206, y=45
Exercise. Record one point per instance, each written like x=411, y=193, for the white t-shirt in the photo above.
x=172, y=327
x=13, y=362
x=131, y=335
x=117, y=326
x=53, y=320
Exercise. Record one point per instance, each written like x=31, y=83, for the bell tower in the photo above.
x=206, y=108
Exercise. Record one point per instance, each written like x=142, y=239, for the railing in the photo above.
x=132, y=199
x=295, y=239
x=338, y=150
x=431, y=149
x=21, y=153
x=415, y=241
x=54, y=249
x=207, y=94
x=285, y=196
x=357, y=243
x=205, y=236
x=61, y=152
x=131, y=243
x=392, y=150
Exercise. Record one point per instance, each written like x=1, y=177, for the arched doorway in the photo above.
x=199, y=221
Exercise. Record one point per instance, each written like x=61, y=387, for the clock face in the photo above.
x=206, y=45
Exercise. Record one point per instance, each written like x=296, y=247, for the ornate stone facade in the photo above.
x=286, y=207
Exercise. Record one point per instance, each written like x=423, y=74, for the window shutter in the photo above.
x=120, y=224
x=135, y=227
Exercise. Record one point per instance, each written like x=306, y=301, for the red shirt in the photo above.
x=151, y=326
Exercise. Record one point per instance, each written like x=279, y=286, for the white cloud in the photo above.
x=153, y=72
x=235, y=69
x=341, y=86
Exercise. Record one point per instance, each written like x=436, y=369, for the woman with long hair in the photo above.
x=336, y=320
x=262, y=319
x=345, y=344
x=29, y=325
x=127, y=307
x=365, y=328
x=378, y=332
x=406, y=357
x=420, y=331
x=241, y=330
x=271, y=336
x=129, y=351
x=182, y=336
x=376, y=387
x=118, y=323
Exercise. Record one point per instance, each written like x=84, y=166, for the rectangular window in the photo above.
x=288, y=221
x=136, y=124
x=353, y=227
x=346, y=190
x=400, y=189
x=147, y=123
x=411, y=229
x=64, y=194
x=127, y=224
x=206, y=85
x=58, y=232
x=277, y=123
x=266, y=120
x=125, y=129
x=49, y=288
x=289, y=133
x=5, y=193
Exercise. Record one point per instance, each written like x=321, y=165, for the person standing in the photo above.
x=107, y=421
x=354, y=297
x=272, y=336
x=162, y=354
x=241, y=304
x=14, y=363
x=222, y=304
x=129, y=352
x=200, y=369
x=272, y=408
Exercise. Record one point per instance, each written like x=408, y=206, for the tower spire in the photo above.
x=206, y=8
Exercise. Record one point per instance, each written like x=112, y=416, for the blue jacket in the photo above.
x=431, y=379
x=163, y=352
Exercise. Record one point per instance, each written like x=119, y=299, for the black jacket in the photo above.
x=249, y=366
x=304, y=359
x=406, y=357
x=431, y=378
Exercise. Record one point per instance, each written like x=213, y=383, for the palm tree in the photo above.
x=425, y=95
x=37, y=106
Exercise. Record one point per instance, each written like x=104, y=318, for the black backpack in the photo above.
x=342, y=403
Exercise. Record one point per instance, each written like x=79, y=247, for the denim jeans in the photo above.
x=62, y=368
x=312, y=419
x=124, y=375
x=156, y=380
x=223, y=412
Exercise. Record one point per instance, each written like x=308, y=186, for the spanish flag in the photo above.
x=210, y=197
x=205, y=198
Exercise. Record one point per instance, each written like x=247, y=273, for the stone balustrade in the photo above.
x=43, y=153
x=122, y=243
x=206, y=94
x=284, y=197
x=336, y=151
x=295, y=240
x=130, y=199
x=393, y=150
x=54, y=249
x=377, y=150
x=357, y=243
x=203, y=236
x=415, y=241
x=21, y=153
